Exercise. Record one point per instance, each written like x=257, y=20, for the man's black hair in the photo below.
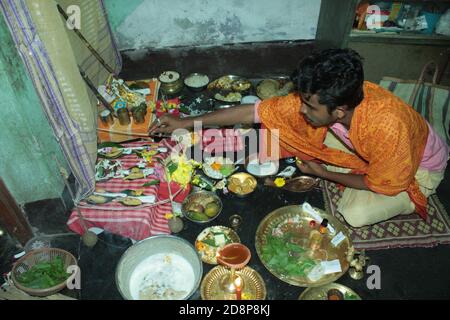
x=335, y=75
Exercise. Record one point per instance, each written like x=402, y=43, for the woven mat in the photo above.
x=401, y=231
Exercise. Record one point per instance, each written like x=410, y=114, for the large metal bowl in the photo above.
x=141, y=250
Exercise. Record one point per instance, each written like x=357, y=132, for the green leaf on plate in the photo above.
x=227, y=169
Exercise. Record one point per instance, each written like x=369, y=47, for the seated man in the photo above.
x=371, y=142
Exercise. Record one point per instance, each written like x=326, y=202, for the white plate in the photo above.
x=268, y=168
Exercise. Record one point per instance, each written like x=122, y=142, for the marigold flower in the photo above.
x=279, y=182
x=168, y=216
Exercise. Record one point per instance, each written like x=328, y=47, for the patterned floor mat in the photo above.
x=401, y=231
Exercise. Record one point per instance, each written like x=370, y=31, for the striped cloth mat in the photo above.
x=138, y=222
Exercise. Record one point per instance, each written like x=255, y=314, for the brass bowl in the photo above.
x=242, y=184
x=292, y=220
x=301, y=184
x=171, y=82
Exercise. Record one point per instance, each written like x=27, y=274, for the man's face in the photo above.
x=315, y=114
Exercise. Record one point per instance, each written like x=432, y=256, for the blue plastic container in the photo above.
x=432, y=19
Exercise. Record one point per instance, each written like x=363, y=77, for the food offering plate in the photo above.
x=212, y=239
x=290, y=246
x=230, y=88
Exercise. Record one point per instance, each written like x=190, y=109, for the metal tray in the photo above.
x=228, y=86
x=294, y=220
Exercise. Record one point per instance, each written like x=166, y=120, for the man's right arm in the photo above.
x=244, y=113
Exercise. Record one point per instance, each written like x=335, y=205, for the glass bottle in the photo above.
x=323, y=226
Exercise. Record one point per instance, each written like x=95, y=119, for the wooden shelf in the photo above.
x=399, y=38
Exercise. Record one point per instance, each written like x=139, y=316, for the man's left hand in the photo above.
x=312, y=168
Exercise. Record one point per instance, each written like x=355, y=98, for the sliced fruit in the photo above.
x=212, y=209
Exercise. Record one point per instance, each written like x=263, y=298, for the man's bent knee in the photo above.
x=356, y=218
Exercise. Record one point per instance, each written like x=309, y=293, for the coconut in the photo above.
x=176, y=224
x=89, y=238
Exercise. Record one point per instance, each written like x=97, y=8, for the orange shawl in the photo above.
x=388, y=135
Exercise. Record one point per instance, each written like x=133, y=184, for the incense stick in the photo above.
x=84, y=40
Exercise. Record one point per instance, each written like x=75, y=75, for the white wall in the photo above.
x=159, y=23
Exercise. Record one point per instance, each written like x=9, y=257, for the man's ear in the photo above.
x=340, y=112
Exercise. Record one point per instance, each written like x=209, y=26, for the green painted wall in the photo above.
x=26, y=138
x=119, y=10
x=143, y=24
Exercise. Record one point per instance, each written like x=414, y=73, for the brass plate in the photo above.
x=208, y=252
x=320, y=293
x=301, y=232
x=301, y=184
x=254, y=286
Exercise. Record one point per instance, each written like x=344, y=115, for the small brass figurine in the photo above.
x=357, y=264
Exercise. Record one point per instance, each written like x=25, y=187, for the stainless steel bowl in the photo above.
x=158, y=244
x=202, y=198
x=196, y=88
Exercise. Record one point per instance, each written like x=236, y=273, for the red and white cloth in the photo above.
x=222, y=140
x=138, y=222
